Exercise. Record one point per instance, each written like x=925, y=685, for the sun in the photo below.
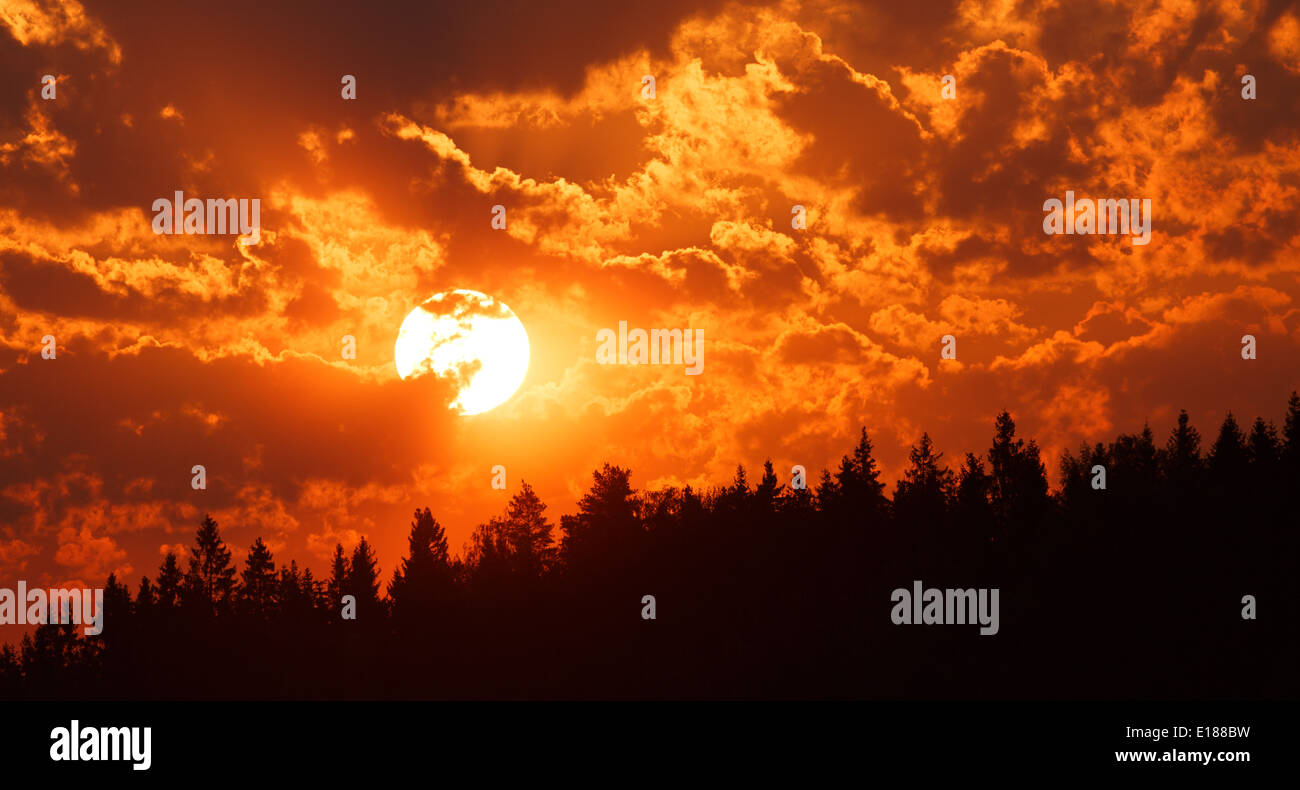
x=469, y=337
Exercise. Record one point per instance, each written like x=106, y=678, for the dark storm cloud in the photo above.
x=155, y=413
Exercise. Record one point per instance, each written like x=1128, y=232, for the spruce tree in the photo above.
x=860, y=492
x=169, y=582
x=337, y=586
x=211, y=576
x=257, y=590
x=768, y=492
x=528, y=532
x=605, y=529
x=363, y=583
x=924, y=493
x=423, y=579
x=1228, y=454
x=1291, y=434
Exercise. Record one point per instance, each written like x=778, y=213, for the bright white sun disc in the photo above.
x=469, y=337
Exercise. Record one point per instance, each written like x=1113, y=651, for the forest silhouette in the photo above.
x=762, y=591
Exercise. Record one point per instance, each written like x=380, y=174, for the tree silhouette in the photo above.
x=146, y=599
x=925, y=492
x=797, y=503
x=769, y=490
x=488, y=559
x=257, y=590
x=1228, y=455
x=828, y=493
x=508, y=556
x=1018, y=490
x=763, y=591
x=11, y=678
x=169, y=582
x=858, y=483
x=1291, y=433
x=1262, y=447
x=605, y=525
x=1135, y=463
x=1228, y=462
x=528, y=533
x=1183, y=464
x=296, y=595
x=340, y=569
x=209, y=583
x=424, y=579
x=363, y=582
x=117, y=600
x=973, y=509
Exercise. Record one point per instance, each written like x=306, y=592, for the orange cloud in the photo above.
x=923, y=215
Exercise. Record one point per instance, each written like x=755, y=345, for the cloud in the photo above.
x=14, y=554
x=54, y=23
x=89, y=557
x=924, y=219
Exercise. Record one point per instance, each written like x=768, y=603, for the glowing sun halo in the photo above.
x=470, y=337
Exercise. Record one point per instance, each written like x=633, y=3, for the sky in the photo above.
x=924, y=218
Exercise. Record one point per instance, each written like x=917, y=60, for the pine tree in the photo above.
x=1133, y=467
x=1182, y=457
x=309, y=592
x=169, y=582
x=1018, y=493
x=1264, y=454
x=210, y=579
x=797, y=503
x=50, y=654
x=528, y=533
x=858, y=482
x=973, y=508
x=733, y=499
x=740, y=483
x=295, y=593
x=337, y=586
x=11, y=678
x=828, y=493
x=321, y=596
x=1074, y=476
x=660, y=510
x=925, y=492
x=691, y=512
x=605, y=529
x=423, y=580
x=257, y=591
x=1228, y=454
x=1291, y=434
x=1289, y=466
x=145, y=600
x=117, y=599
x=768, y=490
x=1003, y=457
x=117, y=610
x=489, y=558
x=363, y=582
x=1262, y=446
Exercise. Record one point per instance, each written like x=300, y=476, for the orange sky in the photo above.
x=924, y=219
